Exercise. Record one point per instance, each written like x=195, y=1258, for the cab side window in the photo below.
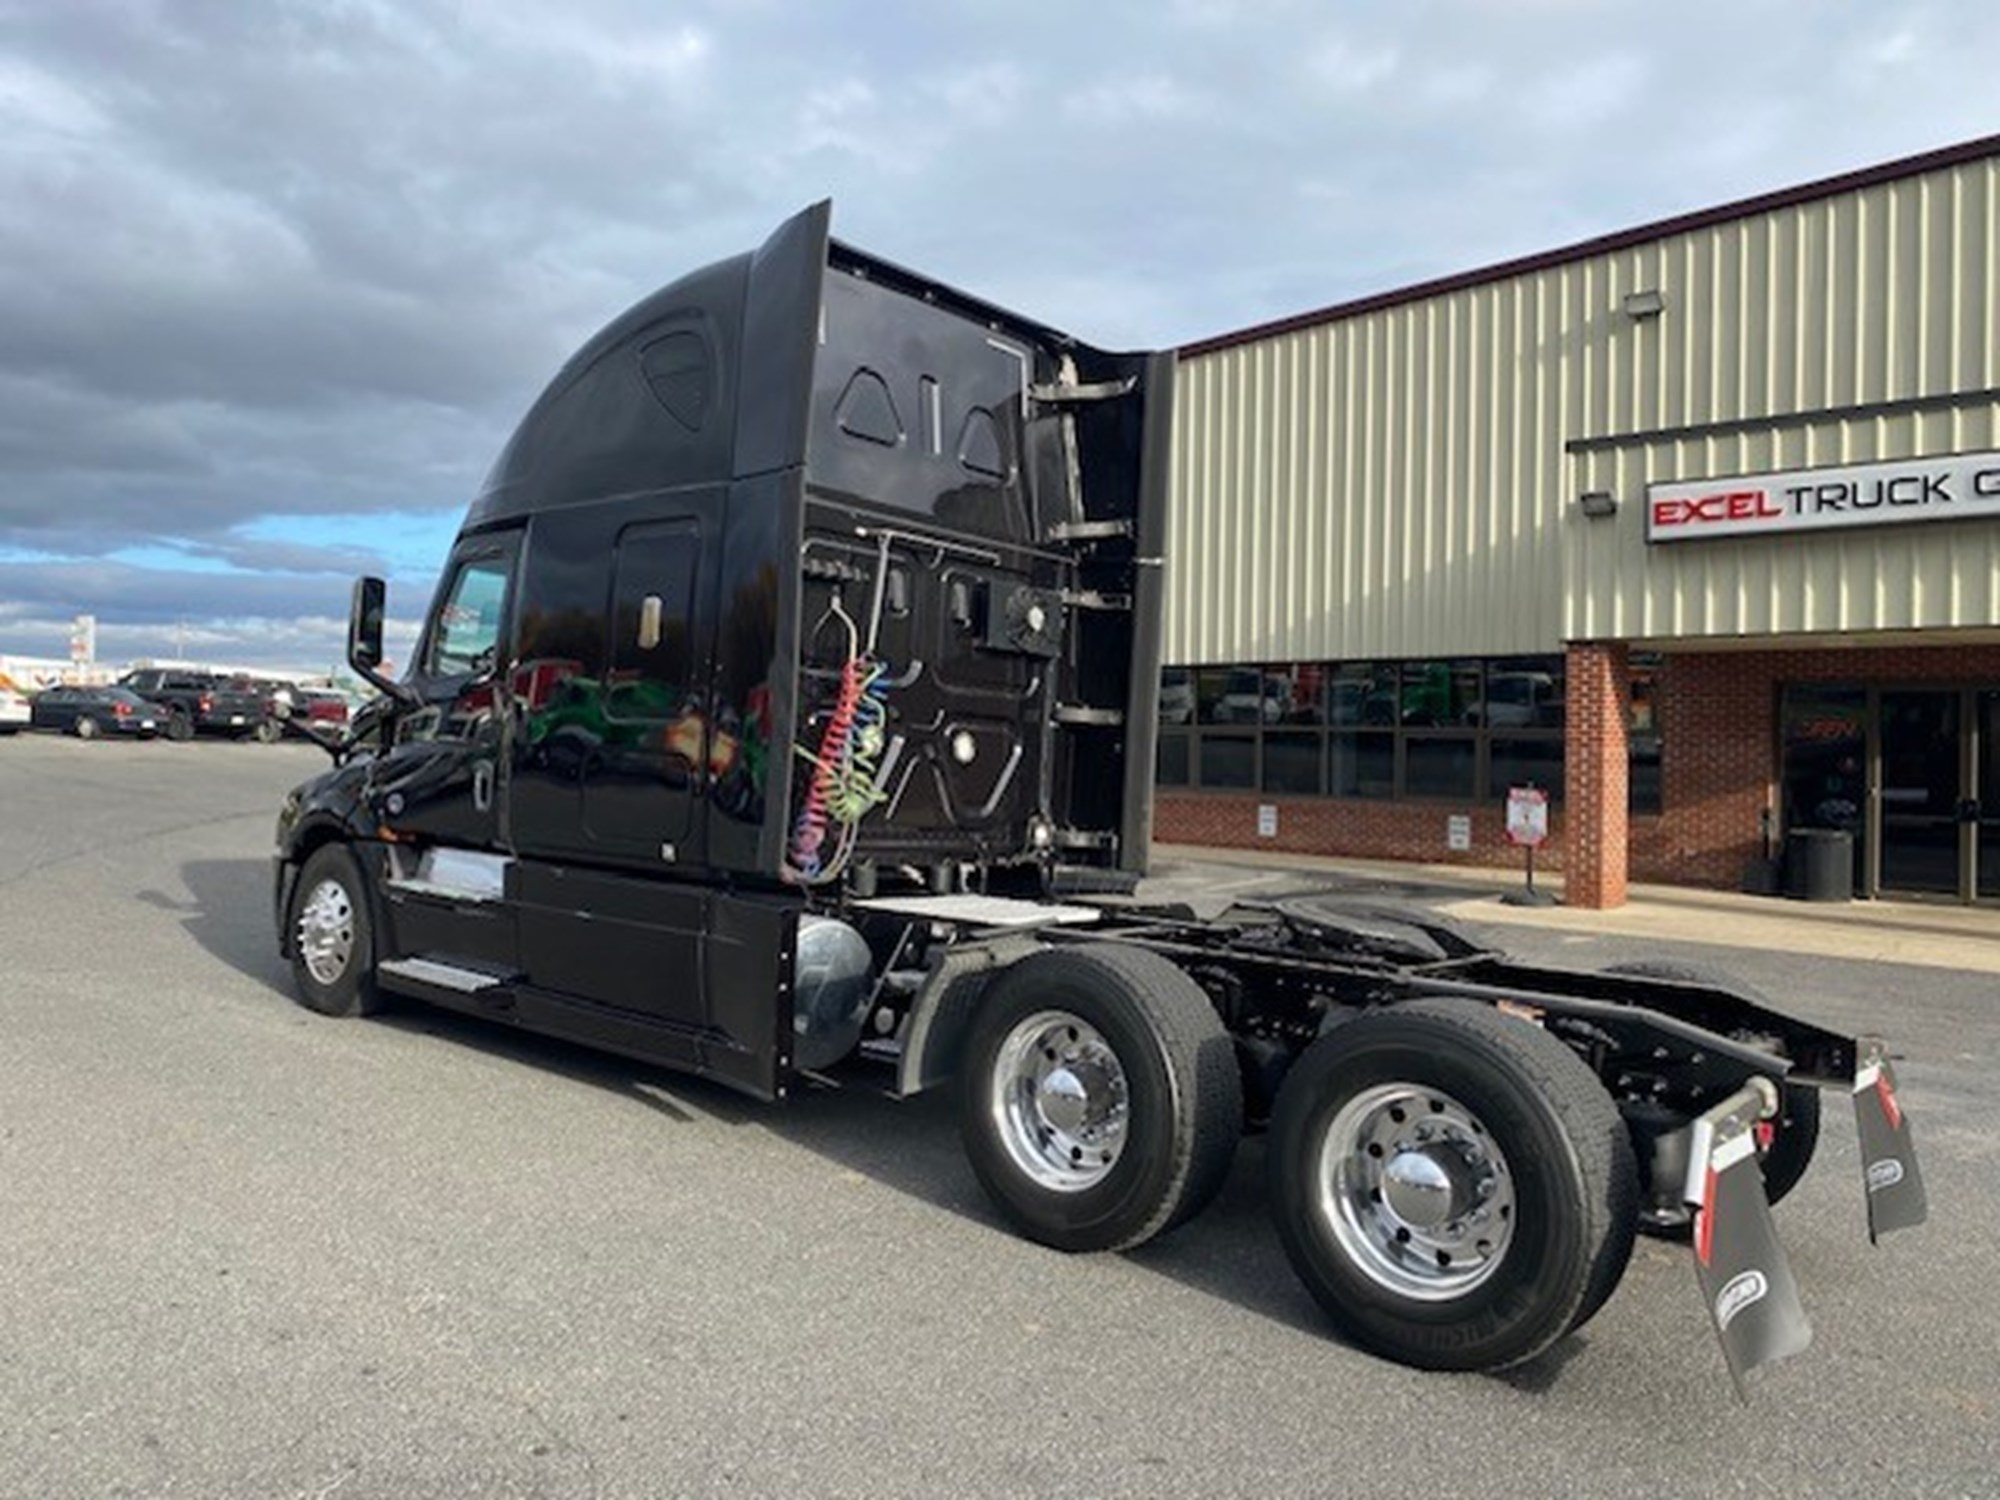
x=467, y=633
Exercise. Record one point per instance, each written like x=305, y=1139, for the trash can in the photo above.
x=1819, y=864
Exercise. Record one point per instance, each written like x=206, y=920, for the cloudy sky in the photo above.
x=277, y=276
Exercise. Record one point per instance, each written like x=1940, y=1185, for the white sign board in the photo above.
x=1267, y=820
x=1458, y=833
x=1795, y=500
x=1527, y=816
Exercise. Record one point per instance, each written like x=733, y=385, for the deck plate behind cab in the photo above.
x=982, y=911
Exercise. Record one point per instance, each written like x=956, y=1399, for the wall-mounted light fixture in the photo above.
x=1597, y=504
x=1639, y=306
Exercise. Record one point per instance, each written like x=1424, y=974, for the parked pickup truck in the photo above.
x=786, y=714
x=205, y=703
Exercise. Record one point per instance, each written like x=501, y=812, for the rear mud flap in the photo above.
x=1740, y=1265
x=1895, y=1188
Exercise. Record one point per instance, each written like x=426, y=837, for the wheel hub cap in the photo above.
x=1418, y=1188
x=1060, y=1101
x=1415, y=1191
x=326, y=931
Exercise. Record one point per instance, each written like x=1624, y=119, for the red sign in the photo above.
x=1527, y=816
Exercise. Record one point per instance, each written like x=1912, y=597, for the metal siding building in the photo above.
x=1399, y=479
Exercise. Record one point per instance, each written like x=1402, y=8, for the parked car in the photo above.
x=87, y=712
x=203, y=703
x=14, y=713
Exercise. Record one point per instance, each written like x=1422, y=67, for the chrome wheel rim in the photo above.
x=326, y=931
x=1061, y=1103
x=1415, y=1191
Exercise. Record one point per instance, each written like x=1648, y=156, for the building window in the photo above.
x=1229, y=761
x=1459, y=730
x=1295, y=762
x=1644, y=788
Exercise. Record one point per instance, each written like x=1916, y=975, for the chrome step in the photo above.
x=441, y=975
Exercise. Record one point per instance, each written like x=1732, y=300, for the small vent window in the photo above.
x=867, y=411
x=979, y=445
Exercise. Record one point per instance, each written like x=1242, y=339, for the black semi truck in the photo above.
x=786, y=712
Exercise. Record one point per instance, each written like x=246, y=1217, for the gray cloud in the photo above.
x=307, y=259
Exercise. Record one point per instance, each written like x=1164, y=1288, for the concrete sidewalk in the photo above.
x=1898, y=932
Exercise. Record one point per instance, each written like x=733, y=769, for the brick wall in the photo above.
x=1718, y=717
x=1597, y=705
x=1362, y=829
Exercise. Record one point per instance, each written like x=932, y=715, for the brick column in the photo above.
x=1595, y=767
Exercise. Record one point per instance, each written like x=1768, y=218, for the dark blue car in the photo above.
x=88, y=712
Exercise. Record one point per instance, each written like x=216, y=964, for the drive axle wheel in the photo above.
x=86, y=728
x=180, y=728
x=332, y=936
x=1453, y=1186
x=1100, y=1100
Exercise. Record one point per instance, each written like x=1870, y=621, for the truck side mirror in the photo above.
x=364, y=637
x=364, y=625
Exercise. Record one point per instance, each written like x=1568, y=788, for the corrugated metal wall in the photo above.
x=1397, y=483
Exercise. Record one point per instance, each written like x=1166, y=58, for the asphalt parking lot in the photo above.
x=247, y=1251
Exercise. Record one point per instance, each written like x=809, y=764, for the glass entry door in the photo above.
x=1985, y=797
x=1922, y=789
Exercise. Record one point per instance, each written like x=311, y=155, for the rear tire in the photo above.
x=1796, y=1136
x=331, y=935
x=86, y=728
x=1100, y=1099
x=1454, y=1187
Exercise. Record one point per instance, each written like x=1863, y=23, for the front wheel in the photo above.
x=180, y=728
x=1454, y=1187
x=1100, y=1099
x=332, y=936
x=87, y=728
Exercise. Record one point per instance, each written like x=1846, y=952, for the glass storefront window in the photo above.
x=1645, y=787
x=1295, y=762
x=1212, y=685
x=1451, y=730
x=1362, y=693
x=1522, y=692
x=1440, y=692
x=1363, y=765
x=1299, y=688
x=1519, y=762
x=1229, y=762
x=1824, y=731
x=1441, y=766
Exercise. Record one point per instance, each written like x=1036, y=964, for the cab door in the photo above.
x=440, y=781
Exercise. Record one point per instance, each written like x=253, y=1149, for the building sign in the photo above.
x=1916, y=489
x=1267, y=820
x=83, y=639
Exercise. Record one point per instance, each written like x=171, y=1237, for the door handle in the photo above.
x=482, y=786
